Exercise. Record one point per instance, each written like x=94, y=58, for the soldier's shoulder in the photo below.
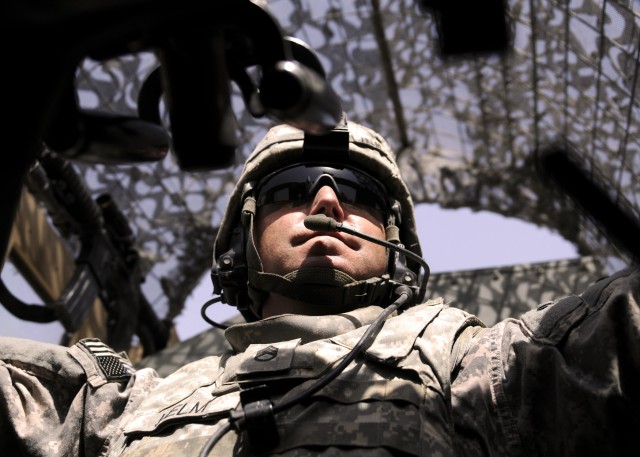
x=43, y=359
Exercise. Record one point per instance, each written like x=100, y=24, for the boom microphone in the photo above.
x=322, y=223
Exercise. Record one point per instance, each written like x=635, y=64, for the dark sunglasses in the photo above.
x=300, y=183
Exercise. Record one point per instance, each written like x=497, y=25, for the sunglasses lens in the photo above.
x=300, y=183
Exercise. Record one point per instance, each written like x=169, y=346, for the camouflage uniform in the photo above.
x=563, y=380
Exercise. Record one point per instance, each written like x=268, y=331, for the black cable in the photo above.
x=28, y=312
x=215, y=438
x=203, y=313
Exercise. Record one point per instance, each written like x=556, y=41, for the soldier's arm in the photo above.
x=58, y=401
x=563, y=380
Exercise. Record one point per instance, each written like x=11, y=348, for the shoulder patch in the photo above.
x=113, y=365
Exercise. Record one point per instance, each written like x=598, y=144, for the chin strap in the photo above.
x=318, y=286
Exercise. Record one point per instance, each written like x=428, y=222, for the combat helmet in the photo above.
x=236, y=271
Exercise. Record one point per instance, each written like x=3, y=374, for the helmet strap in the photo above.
x=318, y=286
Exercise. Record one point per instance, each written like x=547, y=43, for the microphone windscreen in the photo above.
x=320, y=223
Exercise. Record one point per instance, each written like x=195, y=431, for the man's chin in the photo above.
x=333, y=263
x=324, y=261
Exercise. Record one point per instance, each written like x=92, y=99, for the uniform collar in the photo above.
x=291, y=326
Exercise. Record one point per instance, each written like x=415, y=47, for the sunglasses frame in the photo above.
x=351, y=186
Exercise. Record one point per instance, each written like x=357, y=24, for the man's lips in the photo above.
x=301, y=239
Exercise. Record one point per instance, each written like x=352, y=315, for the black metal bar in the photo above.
x=567, y=171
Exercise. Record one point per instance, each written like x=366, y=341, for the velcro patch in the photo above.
x=114, y=366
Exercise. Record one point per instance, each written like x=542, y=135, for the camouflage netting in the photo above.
x=465, y=129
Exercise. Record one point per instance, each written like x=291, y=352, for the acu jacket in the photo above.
x=562, y=380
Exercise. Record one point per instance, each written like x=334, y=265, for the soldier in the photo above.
x=339, y=356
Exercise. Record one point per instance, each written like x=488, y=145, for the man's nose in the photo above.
x=326, y=202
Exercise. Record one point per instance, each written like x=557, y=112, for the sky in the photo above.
x=451, y=240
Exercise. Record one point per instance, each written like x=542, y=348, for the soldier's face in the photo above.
x=285, y=244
